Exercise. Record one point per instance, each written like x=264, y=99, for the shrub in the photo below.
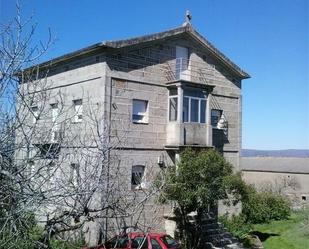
x=236, y=225
x=261, y=207
x=59, y=244
x=19, y=232
x=279, y=207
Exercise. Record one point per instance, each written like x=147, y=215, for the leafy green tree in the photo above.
x=197, y=182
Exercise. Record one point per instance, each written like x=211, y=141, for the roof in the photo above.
x=276, y=164
x=187, y=29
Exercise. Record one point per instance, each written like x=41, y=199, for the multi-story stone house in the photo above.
x=152, y=95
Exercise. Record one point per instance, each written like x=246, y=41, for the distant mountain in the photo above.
x=274, y=153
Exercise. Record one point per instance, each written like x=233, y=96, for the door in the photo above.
x=182, y=63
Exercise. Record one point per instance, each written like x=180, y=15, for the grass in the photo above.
x=286, y=234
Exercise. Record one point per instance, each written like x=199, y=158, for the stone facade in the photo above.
x=109, y=77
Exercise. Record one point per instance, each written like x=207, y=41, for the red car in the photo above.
x=140, y=241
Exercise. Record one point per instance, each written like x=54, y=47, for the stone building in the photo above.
x=285, y=175
x=157, y=94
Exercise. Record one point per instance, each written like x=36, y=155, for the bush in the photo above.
x=19, y=232
x=279, y=207
x=59, y=244
x=263, y=207
x=236, y=225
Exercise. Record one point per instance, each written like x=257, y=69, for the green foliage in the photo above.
x=19, y=232
x=257, y=208
x=236, y=225
x=261, y=207
x=25, y=233
x=63, y=244
x=201, y=179
x=197, y=182
x=279, y=206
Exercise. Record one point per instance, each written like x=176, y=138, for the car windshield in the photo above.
x=138, y=240
x=122, y=242
x=117, y=242
x=168, y=241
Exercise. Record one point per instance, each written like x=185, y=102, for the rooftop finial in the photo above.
x=188, y=18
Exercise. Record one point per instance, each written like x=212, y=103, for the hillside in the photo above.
x=274, y=153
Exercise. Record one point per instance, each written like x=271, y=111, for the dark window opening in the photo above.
x=140, y=111
x=48, y=151
x=137, y=176
x=215, y=117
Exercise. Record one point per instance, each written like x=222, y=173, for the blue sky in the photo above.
x=268, y=39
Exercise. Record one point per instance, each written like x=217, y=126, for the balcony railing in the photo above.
x=189, y=70
x=167, y=71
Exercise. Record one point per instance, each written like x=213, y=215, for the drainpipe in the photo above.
x=208, y=120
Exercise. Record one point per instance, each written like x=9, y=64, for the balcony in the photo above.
x=160, y=71
x=188, y=70
x=188, y=134
x=185, y=79
x=189, y=116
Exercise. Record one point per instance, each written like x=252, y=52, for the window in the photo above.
x=122, y=242
x=78, y=107
x=215, y=117
x=54, y=111
x=155, y=244
x=137, y=179
x=194, y=110
x=140, y=111
x=139, y=240
x=74, y=173
x=35, y=113
x=203, y=110
x=182, y=56
x=56, y=135
x=48, y=151
x=168, y=241
x=173, y=105
x=193, y=106
x=185, y=111
x=304, y=198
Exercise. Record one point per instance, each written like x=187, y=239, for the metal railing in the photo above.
x=163, y=71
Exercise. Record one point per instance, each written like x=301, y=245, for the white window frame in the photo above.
x=143, y=183
x=54, y=111
x=199, y=109
x=74, y=173
x=55, y=135
x=78, y=108
x=145, y=118
x=35, y=113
